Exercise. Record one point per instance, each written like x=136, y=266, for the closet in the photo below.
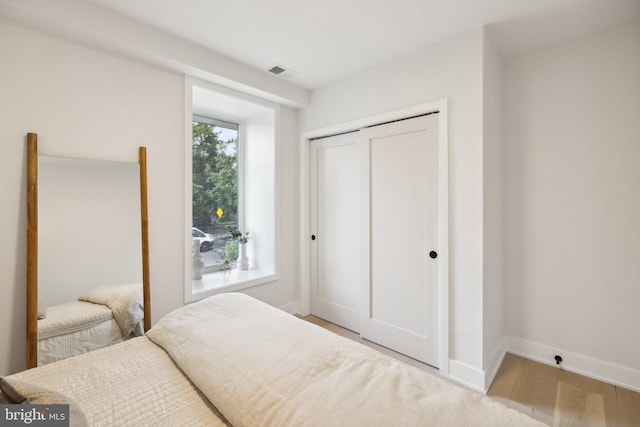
x=375, y=234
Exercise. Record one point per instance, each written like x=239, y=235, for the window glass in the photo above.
x=215, y=188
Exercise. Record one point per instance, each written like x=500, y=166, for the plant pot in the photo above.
x=243, y=260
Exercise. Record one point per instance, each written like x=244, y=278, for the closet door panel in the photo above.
x=400, y=279
x=335, y=204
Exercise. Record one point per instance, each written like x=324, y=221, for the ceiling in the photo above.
x=322, y=41
x=319, y=42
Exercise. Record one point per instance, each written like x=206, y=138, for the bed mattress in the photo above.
x=70, y=317
x=74, y=328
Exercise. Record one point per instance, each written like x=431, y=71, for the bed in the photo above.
x=233, y=360
x=104, y=316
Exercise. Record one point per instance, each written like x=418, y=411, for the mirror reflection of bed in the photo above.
x=89, y=258
x=99, y=318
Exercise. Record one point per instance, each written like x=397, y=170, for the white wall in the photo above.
x=493, y=290
x=284, y=293
x=94, y=105
x=572, y=204
x=452, y=70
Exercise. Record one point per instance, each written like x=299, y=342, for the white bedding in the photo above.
x=258, y=366
x=71, y=317
x=125, y=301
x=74, y=328
x=263, y=367
x=131, y=384
x=60, y=347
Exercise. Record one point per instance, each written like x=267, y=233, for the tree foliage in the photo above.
x=215, y=176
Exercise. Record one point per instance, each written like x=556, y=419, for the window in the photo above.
x=214, y=190
x=230, y=181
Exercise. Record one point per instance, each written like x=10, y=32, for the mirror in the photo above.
x=87, y=254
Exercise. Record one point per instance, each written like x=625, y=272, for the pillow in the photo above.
x=9, y=395
x=18, y=392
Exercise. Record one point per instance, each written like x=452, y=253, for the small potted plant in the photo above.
x=242, y=239
x=229, y=254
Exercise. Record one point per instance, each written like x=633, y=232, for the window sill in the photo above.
x=234, y=280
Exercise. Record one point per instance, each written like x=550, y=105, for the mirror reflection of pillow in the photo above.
x=19, y=392
x=136, y=312
x=125, y=301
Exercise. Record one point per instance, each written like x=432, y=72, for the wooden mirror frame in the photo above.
x=32, y=245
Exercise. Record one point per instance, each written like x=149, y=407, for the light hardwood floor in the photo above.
x=554, y=396
x=562, y=398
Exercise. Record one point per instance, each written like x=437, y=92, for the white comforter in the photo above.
x=71, y=317
x=262, y=367
x=134, y=383
x=124, y=300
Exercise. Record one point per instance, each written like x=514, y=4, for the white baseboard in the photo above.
x=494, y=364
x=291, y=308
x=466, y=375
x=612, y=373
x=476, y=379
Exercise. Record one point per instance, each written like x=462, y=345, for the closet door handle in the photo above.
x=433, y=254
x=313, y=237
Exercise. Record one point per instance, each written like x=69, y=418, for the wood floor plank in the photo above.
x=586, y=383
x=612, y=412
x=315, y=320
x=594, y=411
x=578, y=407
x=628, y=407
x=536, y=386
x=506, y=377
x=343, y=332
x=527, y=410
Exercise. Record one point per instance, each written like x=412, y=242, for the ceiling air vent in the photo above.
x=281, y=72
x=276, y=70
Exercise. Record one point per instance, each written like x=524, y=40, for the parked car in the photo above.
x=205, y=239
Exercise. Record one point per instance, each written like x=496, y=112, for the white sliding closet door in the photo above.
x=399, y=305
x=335, y=219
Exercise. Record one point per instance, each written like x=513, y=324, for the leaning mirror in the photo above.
x=88, y=254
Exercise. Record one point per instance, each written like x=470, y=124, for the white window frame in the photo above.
x=240, y=108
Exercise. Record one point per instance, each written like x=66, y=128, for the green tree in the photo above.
x=215, y=175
